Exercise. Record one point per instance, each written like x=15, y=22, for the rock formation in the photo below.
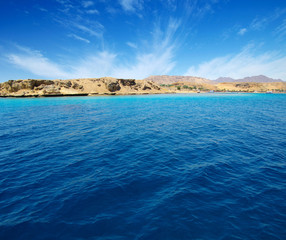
x=77, y=87
x=114, y=86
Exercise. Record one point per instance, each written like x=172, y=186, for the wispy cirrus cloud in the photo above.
x=43, y=9
x=93, y=29
x=66, y=5
x=259, y=23
x=242, y=64
x=87, y=4
x=153, y=54
x=159, y=58
x=73, y=16
x=79, y=38
x=100, y=64
x=146, y=64
x=34, y=62
x=92, y=11
x=199, y=9
x=160, y=61
x=156, y=58
x=242, y=31
x=132, y=45
x=131, y=5
x=280, y=31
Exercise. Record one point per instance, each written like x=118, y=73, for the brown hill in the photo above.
x=76, y=87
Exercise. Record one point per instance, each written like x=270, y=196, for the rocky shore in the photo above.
x=78, y=87
x=114, y=86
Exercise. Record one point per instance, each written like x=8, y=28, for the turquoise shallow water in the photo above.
x=203, y=166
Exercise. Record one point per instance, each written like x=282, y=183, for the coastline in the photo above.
x=131, y=94
x=78, y=87
x=36, y=88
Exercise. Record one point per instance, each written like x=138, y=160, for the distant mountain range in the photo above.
x=166, y=79
x=257, y=79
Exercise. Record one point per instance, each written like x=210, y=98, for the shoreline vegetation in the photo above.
x=114, y=86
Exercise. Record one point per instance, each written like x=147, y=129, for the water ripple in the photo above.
x=143, y=167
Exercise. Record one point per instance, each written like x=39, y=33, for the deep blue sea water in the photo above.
x=203, y=166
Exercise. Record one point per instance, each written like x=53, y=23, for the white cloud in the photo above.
x=87, y=4
x=98, y=65
x=159, y=59
x=75, y=15
x=132, y=45
x=198, y=9
x=155, y=62
x=43, y=9
x=94, y=29
x=156, y=58
x=280, y=31
x=92, y=11
x=66, y=4
x=148, y=64
x=171, y=3
x=131, y=5
x=242, y=64
x=259, y=23
x=36, y=63
x=242, y=31
x=79, y=38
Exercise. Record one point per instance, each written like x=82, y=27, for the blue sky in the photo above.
x=60, y=39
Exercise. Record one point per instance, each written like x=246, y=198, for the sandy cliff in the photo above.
x=90, y=86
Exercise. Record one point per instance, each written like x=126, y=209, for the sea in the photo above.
x=175, y=166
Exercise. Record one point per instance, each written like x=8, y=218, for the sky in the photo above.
x=62, y=39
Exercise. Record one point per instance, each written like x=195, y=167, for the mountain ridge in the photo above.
x=257, y=79
x=168, y=79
